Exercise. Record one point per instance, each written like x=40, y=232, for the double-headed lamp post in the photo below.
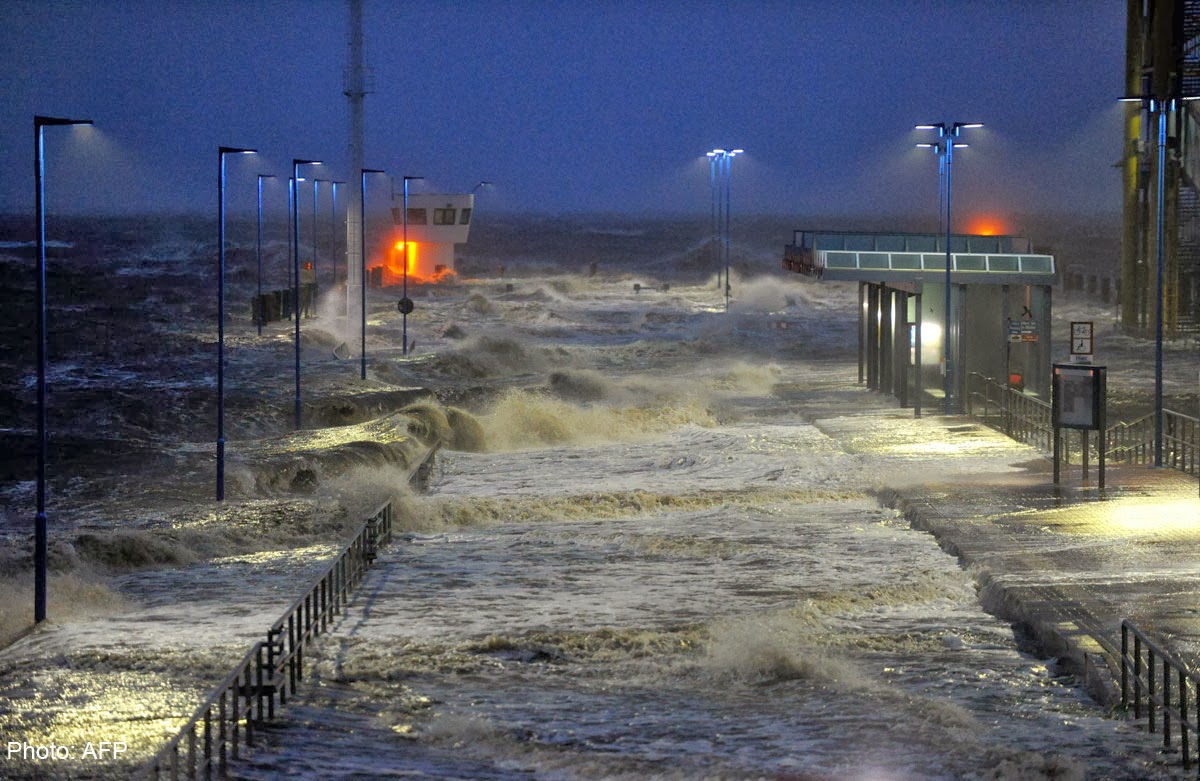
x=723, y=160
x=296, y=163
x=362, y=276
x=41, y=531
x=945, y=146
x=221, y=152
x=405, y=301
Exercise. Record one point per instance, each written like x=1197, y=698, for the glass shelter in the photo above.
x=999, y=320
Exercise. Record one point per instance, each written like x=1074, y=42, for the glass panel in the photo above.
x=464, y=217
x=417, y=216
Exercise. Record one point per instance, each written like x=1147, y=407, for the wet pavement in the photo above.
x=1067, y=563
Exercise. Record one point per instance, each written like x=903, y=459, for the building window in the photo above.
x=464, y=217
x=443, y=216
x=417, y=216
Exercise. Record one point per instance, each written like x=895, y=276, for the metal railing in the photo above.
x=1020, y=416
x=1028, y=419
x=1170, y=691
x=270, y=670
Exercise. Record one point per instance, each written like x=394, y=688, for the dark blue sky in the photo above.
x=574, y=106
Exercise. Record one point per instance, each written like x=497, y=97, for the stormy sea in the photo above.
x=641, y=552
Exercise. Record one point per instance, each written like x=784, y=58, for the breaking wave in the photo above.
x=522, y=420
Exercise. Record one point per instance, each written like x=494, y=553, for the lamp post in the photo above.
x=221, y=152
x=41, y=531
x=945, y=148
x=296, y=163
x=406, y=305
x=316, y=190
x=333, y=226
x=1160, y=108
x=261, y=314
x=714, y=164
x=728, y=187
x=362, y=240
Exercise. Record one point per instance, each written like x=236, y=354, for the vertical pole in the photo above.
x=404, y=315
x=40, y=523
x=1158, y=293
x=362, y=273
x=316, y=190
x=259, y=257
x=728, y=190
x=296, y=279
x=221, y=325
x=948, y=383
x=714, y=241
x=919, y=391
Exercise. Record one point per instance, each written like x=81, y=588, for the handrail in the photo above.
x=1179, y=705
x=1027, y=419
x=1018, y=415
x=270, y=670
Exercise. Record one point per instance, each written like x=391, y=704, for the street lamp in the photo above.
x=261, y=313
x=333, y=226
x=41, y=532
x=362, y=240
x=723, y=160
x=714, y=165
x=1160, y=108
x=296, y=163
x=221, y=152
x=728, y=186
x=406, y=304
x=316, y=190
x=945, y=148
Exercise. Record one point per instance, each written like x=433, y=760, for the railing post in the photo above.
x=1166, y=695
x=1124, y=665
x=1183, y=720
x=1150, y=693
x=191, y=757
x=1137, y=676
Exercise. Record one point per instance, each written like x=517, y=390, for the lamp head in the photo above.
x=235, y=150
x=41, y=121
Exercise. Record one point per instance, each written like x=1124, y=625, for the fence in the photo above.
x=1028, y=419
x=1021, y=417
x=270, y=670
x=1176, y=707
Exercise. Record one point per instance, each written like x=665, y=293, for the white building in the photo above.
x=436, y=222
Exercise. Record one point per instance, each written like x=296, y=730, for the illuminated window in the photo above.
x=465, y=217
x=417, y=217
x=443, y=216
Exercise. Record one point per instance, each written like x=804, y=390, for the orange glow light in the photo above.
x=986, y=226
x=399, y=259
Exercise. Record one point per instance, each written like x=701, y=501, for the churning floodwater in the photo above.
x=666, y=563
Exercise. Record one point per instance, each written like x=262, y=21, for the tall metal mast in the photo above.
x=355, y=89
